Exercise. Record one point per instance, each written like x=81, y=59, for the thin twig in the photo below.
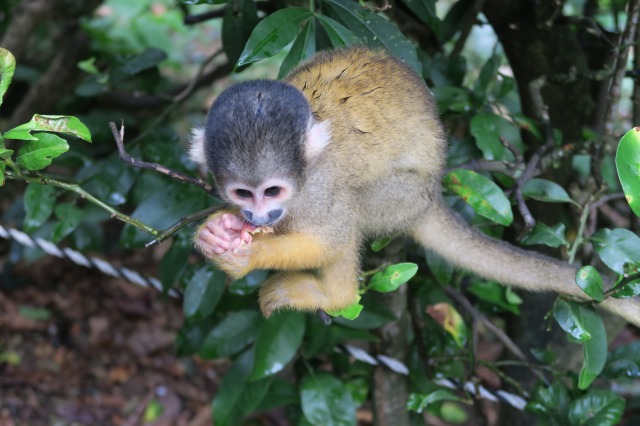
x=46, y=180
x=124, y=156
x=184, y=221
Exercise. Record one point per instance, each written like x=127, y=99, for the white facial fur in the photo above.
x=270, y=196
x=196, y=146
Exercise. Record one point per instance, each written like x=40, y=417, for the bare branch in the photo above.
x=124, y=156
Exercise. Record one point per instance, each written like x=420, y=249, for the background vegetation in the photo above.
x=535, y=96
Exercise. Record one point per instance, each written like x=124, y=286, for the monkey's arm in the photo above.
x=227, y=242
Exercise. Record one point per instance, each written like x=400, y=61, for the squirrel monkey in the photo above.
x=348, y=147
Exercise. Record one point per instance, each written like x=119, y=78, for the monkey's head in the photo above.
x=258, y=140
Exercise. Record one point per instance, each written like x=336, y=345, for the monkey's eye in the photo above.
x=244, y=194
x=272, y=191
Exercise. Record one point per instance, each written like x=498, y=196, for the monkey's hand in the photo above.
x=224, y=238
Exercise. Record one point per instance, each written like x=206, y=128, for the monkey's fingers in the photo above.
x=232, y=222
x=211, y=242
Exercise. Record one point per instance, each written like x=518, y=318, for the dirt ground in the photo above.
x=80, y=348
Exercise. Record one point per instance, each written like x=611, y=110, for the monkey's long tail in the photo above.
x=449, y=236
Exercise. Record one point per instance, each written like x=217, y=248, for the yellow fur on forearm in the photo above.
x=288, y=252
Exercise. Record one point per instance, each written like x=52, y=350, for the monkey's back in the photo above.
x=381, y=114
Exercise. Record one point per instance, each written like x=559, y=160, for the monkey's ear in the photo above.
x=318, y=136
x=196, y=146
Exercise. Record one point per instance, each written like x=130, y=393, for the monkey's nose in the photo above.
x=271, y=217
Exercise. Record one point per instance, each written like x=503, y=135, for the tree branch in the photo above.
x=159, y=168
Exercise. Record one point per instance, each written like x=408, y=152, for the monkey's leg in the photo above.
x=335, y=286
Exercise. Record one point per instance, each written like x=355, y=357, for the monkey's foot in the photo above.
x=293, y=290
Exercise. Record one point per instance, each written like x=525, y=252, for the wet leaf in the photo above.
x=569, y=317
x=39, y=201
x=277, y=343
x=205, y=286
x=597, y=408
x=628, y=166
x=273, y=33
x=326, y=401
x=590, y=282
x=481, y=193
x=617, y=247
x=545, y=190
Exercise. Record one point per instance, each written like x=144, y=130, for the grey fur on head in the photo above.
x=255, y=130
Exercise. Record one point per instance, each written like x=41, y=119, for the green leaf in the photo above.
x=481, y=193
x=277, y=343
x=542, y=234
x=338, y=34
x=629, y=289
x=70, y=217
x=439, y=267
x=231, y=335
x=552, y=400
x=374, y=315
x=628, y=166
x=38, y=205
x=273, y=33
x=240, y=18
x=89, y=66
x=303, y=47
x=351, y=312
x=248, y=284
x=597, y=408
x=3, y=167
x=595, y=349
x=617, y=247
x=36, y=314
x=175, y=261
x=545, y=190
x=39, y=153
x=487, y=76
x=419, y=401
x=425, y=10
x=64, y=124
x=375, y=30
x=5, y=153
x=624, y=361
x=449, y=319
x=495, y=294
x=136, y=64
x=569, y=317
x=590, y=282
x=326, y=402
x=7, y=68
x=205, y=286
x=455, y=99
x=488, y=128
x=162, y=209
x=380, y=243
x=237, y=397
x=392, y=277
